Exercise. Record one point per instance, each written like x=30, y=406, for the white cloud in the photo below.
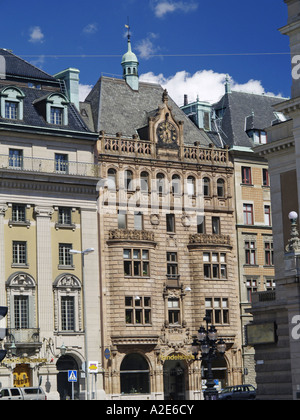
x=36, y=35
x=146, y=47
x=91, y=28
x=84, y=90
x=206, y=84
x=161, y=8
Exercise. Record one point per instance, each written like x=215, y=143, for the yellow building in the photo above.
x=48, y=206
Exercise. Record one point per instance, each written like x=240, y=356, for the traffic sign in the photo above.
x=72, y=375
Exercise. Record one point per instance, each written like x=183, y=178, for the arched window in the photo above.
x=128, y=181
x=160, y=183
x=12, y=103
x=67, y=303
x=144, y=181
x=206, y=187
x=176, y=184
x=134, y=373
x=220, y=187
x=191, y=185
x=112, y=179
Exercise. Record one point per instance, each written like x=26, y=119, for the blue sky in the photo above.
x=186, y=45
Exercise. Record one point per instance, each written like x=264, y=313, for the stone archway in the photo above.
x=64, y=388
x=175, y=379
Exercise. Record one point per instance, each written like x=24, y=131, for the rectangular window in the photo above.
x=64, y=216
x=15, y=158
x=172, y=265
x=170, y=222
x=11, y=110
x=56, y=116
x=269, y=253
x=214, y=265
x=61, y=163
x=136, y=262
x=250, y=253
x=266, y=180
x=137, y=310
x=248, y=214
x=270, y=284
x=65, y=258
x=173, y=311
x=19, y=253
x=18, y=213
x=138, y=220
x=122, y=219
x=67, y=313
x=267, y=211
x=216, y=225
x=251, y=285
x=200, y=224
x=218, y=310
x=246, y=175
x=21, y=312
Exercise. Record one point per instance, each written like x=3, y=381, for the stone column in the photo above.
x=44, y=270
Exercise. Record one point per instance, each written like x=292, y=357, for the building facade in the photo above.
x=238, y=121
x=167, y=243
x=277, y=357
x=48, y=206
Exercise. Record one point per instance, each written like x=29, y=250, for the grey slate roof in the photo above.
x=18, y=73
x=244, y=111
x=116, y=108
x=16, y=66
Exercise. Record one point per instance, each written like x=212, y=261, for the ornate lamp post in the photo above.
x=211, y=348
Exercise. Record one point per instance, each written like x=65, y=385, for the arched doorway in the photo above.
x=64, y=387
x=219, y=370
x=22, y=375
x=175, y=379
x=134, y=375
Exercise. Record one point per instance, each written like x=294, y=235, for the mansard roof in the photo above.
x=242, y=112
x=116, y=108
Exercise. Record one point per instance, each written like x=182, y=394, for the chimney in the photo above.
x=71, y=78
x=185, y=100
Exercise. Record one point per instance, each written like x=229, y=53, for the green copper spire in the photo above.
x=130, y=66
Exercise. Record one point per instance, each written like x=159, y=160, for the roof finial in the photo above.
x=227, y=84
x=128, y=27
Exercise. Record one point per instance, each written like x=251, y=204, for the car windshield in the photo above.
x=227, y=389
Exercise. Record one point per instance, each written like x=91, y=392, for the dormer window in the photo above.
x=11, y=103
x=56, y=115
x=57, y=109
x=54, y=108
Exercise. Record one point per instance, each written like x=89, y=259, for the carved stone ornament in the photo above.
x=21, y=280
x=67, y=281
x=154, y=219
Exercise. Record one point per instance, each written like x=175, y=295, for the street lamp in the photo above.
x=83, y=253
x=211, y=348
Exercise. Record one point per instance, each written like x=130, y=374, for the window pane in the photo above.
x=126, y=253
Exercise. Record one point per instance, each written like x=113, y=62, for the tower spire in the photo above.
x=130, y=65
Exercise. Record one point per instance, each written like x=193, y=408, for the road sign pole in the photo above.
x=73, y=391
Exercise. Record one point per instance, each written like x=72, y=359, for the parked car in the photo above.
x=28, y=393
x=238, y=392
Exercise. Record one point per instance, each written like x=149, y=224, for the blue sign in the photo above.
x=72, y=375
x=107, y=353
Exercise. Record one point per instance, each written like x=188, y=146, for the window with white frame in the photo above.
x=19, y=249
x=11, y=103
x=57, y=109
x=67, y=303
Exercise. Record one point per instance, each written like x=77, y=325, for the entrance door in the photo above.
x=64, y=387
x=22, y=376
x=174, y=380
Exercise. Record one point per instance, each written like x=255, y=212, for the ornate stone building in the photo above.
x=168, y=252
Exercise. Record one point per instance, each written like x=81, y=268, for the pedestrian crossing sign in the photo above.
x=72, y=375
